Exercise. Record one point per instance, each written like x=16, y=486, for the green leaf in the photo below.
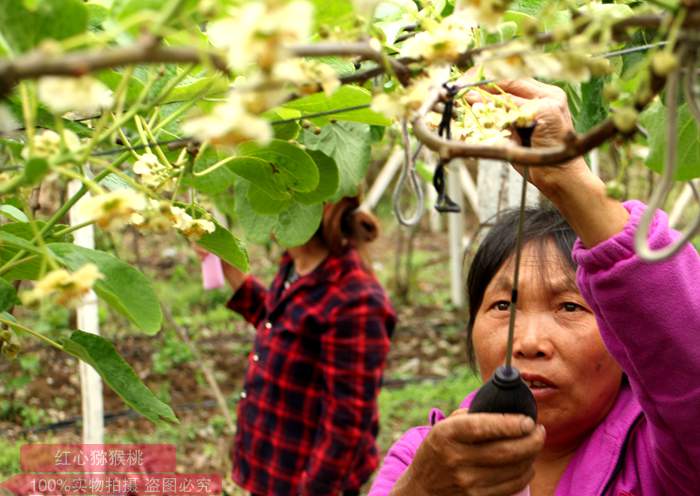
x=257, y=227
x=347, y=143
x=593, y=109
x=17, y=236
x=654, y=120
x=193, y=87
x=125, y=8
x=12, y=212
x=297, y=224
x=290, y=166
x=288, y=130
x=23, y=28
x=345, y=96
x=530, y=7
x=327, y=183
x=124, y=288
x=212, y=183
x=34, y=170
x=16, y=242
x=264, y=204
x=226, y=246
x=97, y=14
x=261, y=173
x=521, y=20
x=8, y=295
x=118, y=375
x=338, y=13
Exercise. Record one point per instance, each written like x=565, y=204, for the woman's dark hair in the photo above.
x=541, y=225
x=343, y=224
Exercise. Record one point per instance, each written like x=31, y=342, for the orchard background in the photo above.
x=130, y=129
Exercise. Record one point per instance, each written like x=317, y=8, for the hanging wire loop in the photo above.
x=408, y=171
x=658, y=197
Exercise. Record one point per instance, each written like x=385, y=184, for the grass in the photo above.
x=409, y=406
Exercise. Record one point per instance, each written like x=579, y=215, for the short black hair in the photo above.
x=541, y=224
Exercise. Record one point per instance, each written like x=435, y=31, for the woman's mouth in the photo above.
x=540, y=386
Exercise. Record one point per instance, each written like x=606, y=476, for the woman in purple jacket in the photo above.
x=613, y=359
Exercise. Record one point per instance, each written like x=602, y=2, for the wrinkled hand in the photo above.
x=553, y=123
x=474, y=455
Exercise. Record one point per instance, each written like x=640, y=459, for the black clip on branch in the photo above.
x=444, y=202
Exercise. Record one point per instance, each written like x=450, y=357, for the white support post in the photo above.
x=88, y=321
x=455, y=226
x=595, y=161
x=498, y=187
x=469, y=189
x=381, y=183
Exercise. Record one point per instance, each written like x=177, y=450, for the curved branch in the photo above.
x=361, y=49
x=37, y=63
x=573, y=146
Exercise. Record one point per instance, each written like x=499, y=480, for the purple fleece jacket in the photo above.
x=649, y=319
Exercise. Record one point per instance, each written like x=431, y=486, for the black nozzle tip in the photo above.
x=525, y=133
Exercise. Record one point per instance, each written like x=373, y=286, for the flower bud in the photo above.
x=664, y=63
x=625, y=119
x=610, y=92
x=615, y=189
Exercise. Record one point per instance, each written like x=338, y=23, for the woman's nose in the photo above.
x=531, y=338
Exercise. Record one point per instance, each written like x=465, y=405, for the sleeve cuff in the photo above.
x=247, y=298
x=621, y=246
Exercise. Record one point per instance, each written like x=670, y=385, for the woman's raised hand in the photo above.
x=579, y=194
x=474, y=455
x=550, y=109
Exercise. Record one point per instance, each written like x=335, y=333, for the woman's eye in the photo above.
x=501, y=305
x=571, y=307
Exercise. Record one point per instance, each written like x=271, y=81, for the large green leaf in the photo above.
x=17, y=236
x=530, y=7
x=293, y=226
x=297, y=224
x=344, y=97
x=34, y=170
x=261, y=173
x=291, y=167
x=284, y=130
x=8, y=295
x=12, y=212
x=118, y=375
x=16, y=243
x=593, y=109
x=23, y=28
x=688, y=145
x=257, y=227
x=212, y=183
x=327, y=183
x=338, y=14
x=125, y=8
x=226, y=246
x=124, y=288
x=348, y=143
x=264, y=204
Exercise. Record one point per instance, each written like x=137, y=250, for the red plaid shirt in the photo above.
x=308, y=419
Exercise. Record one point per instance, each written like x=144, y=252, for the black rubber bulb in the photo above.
x=505, y=392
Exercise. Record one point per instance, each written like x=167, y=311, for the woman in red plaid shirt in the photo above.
x=307, y=418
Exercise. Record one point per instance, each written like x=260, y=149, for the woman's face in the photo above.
x=557, y=346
